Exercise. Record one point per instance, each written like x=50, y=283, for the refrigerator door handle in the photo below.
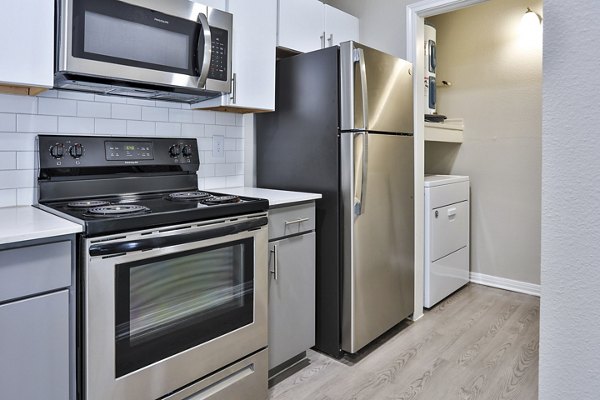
x=359, y=56
x=360, y=173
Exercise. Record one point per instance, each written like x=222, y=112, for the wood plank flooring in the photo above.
x=480, y=343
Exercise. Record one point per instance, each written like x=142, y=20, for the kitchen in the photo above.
x=56, y=112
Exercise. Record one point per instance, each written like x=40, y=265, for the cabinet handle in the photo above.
x=275, y=270
x=323, y=40
x=330, y=40
x=234, y=88
x=296, y=221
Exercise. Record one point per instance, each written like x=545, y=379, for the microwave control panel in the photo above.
x=218, y=61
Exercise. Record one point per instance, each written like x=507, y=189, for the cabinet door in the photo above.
x=218, y=4
x=300, y=25
x=34, y=344
x=254, y=41
x=291, y=297
x=27, y=45
x=339, y=26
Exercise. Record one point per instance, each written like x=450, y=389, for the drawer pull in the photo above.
x=296, y=221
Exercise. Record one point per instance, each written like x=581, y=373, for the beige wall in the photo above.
x=497, y=89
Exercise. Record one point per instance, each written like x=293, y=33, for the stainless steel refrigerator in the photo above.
x=343, y=127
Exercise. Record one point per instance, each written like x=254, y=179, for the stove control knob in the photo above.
x=187, y=151
x=175, y=150
x=58, y=150
x=76, y=151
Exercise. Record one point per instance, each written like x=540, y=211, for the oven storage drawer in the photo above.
x=244, y=380
x=291, y=220
x=34, y=269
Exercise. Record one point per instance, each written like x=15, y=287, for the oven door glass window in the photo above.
x=168, y=304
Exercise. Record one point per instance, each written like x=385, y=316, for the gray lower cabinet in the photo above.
x=37, y=328
x=291, y=285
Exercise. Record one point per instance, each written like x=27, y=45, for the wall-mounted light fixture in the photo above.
x=531, y=18
x=531, y=27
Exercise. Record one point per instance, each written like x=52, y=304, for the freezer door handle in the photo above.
x=361, y=159
x=359, y=56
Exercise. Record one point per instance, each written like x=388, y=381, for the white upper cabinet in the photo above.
x=253, y=58
x=300, y=25
x=339, y=26
x=308, y=25
x=218, y=4
x=27, y=46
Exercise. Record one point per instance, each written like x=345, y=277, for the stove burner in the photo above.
x=87, y=204
x=116, y=210
x=221, y=199
x=184, y=196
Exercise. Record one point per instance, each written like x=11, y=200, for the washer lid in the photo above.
x=439, y=180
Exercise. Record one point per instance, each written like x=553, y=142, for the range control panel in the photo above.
x=100, y=151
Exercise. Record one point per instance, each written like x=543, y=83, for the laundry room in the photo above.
x=488, y=81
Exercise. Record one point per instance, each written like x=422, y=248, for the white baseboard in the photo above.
x=504, y=283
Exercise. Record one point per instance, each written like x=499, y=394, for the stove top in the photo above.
x=128, y=212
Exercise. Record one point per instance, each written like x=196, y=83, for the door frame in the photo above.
x=415, y=21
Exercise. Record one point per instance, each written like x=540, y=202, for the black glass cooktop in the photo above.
x=114, y=214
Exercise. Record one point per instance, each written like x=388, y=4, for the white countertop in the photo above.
x=275, y=197
x=18, y=224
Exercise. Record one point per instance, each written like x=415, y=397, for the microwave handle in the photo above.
x=204, y=54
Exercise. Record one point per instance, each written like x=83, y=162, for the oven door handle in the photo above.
x=107, y=249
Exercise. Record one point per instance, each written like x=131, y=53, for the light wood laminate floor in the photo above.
x=480, y=343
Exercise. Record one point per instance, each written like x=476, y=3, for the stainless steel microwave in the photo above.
x=175, y=50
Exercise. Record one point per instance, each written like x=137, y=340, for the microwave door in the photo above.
x=204, y=50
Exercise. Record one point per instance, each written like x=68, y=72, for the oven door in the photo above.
x=164, y=309
x=176, y=43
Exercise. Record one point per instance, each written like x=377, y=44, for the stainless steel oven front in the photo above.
x=166, y=309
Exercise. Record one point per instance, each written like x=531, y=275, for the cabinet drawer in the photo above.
x=449, y=229
x=440, y=196
x=291, y=220
x=34, y=269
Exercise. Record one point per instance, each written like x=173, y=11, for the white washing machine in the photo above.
x=446, y=236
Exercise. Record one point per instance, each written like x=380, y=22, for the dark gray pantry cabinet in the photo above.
x=292, y=285
x=37, y=327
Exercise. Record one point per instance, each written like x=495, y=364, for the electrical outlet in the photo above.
x=218, y=145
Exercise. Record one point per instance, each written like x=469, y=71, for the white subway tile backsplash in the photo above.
x=209, y=158
x=234, y=156
x=239, y=144
x=8, y=160
x=8, y=123
x=206, y=170
x=37, y=123
x=167, y=104
x=110, y=99
x=230, y=144
x=62, y=107
x=93, y=109
x=155, y=114
x=192, y=130
x=239, y=169
x=126, y=111
x=76, y=125
x=239, y=119
x=8, y=197
x=215, y=130
x=224, y=169
x=70, y=94
x=204, y=117
x=49, y=93
x=176, y=115
x=222, y=118
x=204, y=144
x=235, y=181
x=26, y=159
x=18, y=104
x=141, y=102
x=110, y=126
x=215, y=182
x=27, y=196
x=234, y=131
x=141, y=128
x=17, y=142
x=168, y=129
x=16, y=178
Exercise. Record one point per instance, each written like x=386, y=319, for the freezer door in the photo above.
x=376, y=90
x=378, y=234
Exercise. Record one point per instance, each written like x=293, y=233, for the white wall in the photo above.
x=570, y=308
x=496, y=77
x=65, y=112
